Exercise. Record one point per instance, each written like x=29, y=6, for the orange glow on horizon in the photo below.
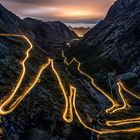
x=72, y=11
x=79, y=12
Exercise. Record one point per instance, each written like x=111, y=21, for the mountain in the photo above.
x=39, y=116
x=50, y=31
x=113, y=45
x=121, y=6
x=10, y=21
x=110, y=50
x=80, y=31
x=40, y=31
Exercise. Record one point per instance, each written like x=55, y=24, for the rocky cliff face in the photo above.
x=39, y=116
x=113, y=45
x=110, y=48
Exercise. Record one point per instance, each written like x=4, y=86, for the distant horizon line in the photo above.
x=72, y=24
x=77, y=25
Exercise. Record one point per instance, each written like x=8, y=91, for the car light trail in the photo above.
x=128, y=91
x=70, y=101
x=114, y=103
x=25, y=93
x=123, y=122
x=106, y=131
x=114, y=108
x=125, y=104
x=68, y=114
x=22, y=73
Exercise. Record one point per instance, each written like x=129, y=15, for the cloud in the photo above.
x=66, y=10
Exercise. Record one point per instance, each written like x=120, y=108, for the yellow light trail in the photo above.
x=70, y=101
x=106, y=131
x=26, y=92
x=125, y=104
x=126, y=121
x=113, y=109
x=68, y=114
x=114, y=103
x=2, y=112
x=128, y=91
x=123, y=122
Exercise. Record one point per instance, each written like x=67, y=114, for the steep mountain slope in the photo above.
x=113, y=45
x=10, y=20
x=50, y=31
x=39, y=116
x=38, y=30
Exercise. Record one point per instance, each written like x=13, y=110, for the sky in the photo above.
x=72, y=12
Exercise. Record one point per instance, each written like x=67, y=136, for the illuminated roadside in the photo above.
x=70, y=101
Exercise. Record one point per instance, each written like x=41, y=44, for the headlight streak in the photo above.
x=114, y=103
x=125, y=104
x=128, y=91
x=113, y=109
x=27, y=91
x=2, y=106
x=68, y=114
x=123, y=122
x=70, y=101
x=68, y=108
x=105, y=131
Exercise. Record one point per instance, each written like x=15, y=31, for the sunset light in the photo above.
x=69, y=11
x=69, y=69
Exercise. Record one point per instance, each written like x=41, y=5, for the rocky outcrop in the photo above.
x=110, y=51
x=120, y=6
x=114, y=43
x=39, y=116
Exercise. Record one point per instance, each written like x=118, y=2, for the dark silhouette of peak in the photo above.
x=6, y=14
x=121, y=6
x=114, y=43
x=32, y=20
x=51, y=31
x=7, y=18
x=43, y=31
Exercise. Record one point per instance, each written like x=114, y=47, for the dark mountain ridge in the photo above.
x=113, y=45
x=106, y=48
x=121, y=6
x=51, y=31
x=10, y=20
x=36, y=29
